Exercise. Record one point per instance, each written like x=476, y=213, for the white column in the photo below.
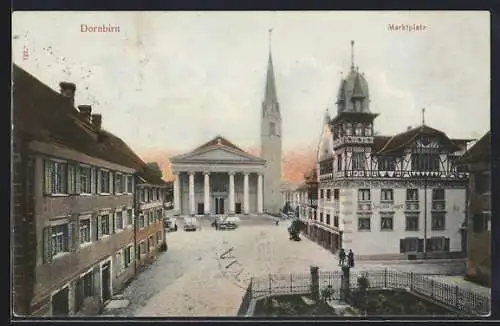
x=246, y=205
x=231, y=192
x=206, y=204
x=177, y=193
x=191, y=193
x=260, y=198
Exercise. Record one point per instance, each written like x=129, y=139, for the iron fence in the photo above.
x=462, y=300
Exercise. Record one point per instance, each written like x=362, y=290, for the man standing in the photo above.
x=350, y=258
x=341, y=257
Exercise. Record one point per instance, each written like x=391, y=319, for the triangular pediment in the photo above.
x=219, y=152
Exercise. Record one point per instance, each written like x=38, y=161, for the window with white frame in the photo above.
x=85, y=180
x=364, y=223
x=363, y=194
x=358, y=161
x=438, y=221
x=387, y=195
x=119, y=220
x=130, y=219
x=386, y=221
x=56, y=177
x=118, y=183
x=411, y=194
x=72, y=180
x=105, y=227
x=85, y=230
x=59, y=241
x=104, y=179
x=141, y=221
x=129, y=184
x=127, y=256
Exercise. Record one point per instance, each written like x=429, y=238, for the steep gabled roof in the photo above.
x=40, y=113
x=401, y=140
x=379, y=142
x=480, y=152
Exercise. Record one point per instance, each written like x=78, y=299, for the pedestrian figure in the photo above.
x=341, y=257
x=277, y=222
x=350, y=258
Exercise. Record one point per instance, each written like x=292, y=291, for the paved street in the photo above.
x=191, y=279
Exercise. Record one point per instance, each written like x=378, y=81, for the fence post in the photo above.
x=432, y=288
x=291, y=283
x=411, y=281
x=314, y=282
x=270, y=284
x=457, y=303
x=385, y=278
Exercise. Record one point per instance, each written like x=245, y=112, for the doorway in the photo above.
x=237, y=208
x=201, y=207
x=60, y=303
x=219, y=205
x=106, y=282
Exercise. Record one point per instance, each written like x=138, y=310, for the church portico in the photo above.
x=218, y=178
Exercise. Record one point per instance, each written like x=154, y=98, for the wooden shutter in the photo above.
x=111, y=188
x=99, y=231
x=112, y=224
x=94, y=227
x=98, y=173
x=78, y=180
x=447, y=244
x=76, y=232
x=97, y=280
x=69, y=239
x=71, y=179
x=47, y=250
x=116, y=175
x=93, y=182
x=48, y=171
x=402, y=245
x=78, y=294
x=122, y=262
x=132, y=254
x=420, y=245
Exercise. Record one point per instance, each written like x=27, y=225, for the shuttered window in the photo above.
x=71, y=179
x=104, y=225
x=60, y=239
x=128, y=256
x=119, y=220
x=104, y=181
x=56, y=177
x=130, y=219
x=85, y=231
x=85, y=180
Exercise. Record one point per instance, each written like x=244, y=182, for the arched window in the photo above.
x=368, y=130
x=359, y=129
x=272, y=129
x=348, y=129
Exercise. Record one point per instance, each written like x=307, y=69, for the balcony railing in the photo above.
x=365, y=206
x=412, y=205
x=386, y=205
x=438, y=205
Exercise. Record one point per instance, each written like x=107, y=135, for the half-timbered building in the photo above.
x=399, y=196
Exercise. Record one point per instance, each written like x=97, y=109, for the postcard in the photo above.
x=243, y=164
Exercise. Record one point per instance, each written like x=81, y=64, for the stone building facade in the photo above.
x=478, y=160
x=73, y=212
x=387, y=197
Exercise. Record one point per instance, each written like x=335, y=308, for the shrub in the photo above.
x=327, y=293
x=363, y=283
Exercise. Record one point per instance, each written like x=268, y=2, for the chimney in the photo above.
x=97, y=121
x=85, y=112
x=68, y=90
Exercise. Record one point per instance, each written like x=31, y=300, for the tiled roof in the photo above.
x=379, y=142
x=480, y=152
x=42, y=114
x=400, y=141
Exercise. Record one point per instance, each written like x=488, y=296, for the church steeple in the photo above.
x=270, y=96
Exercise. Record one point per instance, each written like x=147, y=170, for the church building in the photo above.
x=219, y=177
x=400, y=196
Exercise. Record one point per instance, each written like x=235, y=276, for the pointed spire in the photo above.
x=270, y=95
x=352, y=55
x=357, y=91
x=423, y=116
x=327, y=117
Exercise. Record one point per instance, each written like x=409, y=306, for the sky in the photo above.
x=170, y=81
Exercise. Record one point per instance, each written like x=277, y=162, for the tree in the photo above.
x=295, y=229
x=153, y=166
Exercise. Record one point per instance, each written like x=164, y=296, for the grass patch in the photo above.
x=291, y=305
x=391, y=302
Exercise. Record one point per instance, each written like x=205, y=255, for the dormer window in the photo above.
x=359, y=129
